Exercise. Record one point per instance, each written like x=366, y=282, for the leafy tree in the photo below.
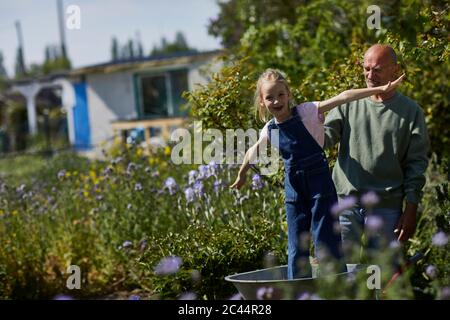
x=114, y=49
x=130, y=45
x=20, y=69
x=140, y=49
x=130, y=50
x=179, y=45
x=320, y=46
x=3, y=73
x=236, y=16
x=55, y=60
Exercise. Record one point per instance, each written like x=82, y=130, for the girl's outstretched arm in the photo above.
x=248, y=159
x=355, y=94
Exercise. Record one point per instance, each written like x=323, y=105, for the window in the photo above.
x=161, y=94
x=154, y=96
x=179, y=85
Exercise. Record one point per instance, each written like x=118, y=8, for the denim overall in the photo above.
x=310, y=193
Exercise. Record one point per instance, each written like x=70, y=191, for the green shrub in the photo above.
x=214, y=253
x=435, y=218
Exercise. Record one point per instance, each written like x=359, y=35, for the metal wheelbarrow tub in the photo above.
x=275, y=278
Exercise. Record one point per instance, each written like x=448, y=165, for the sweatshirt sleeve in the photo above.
x=333, y=127
x=416, y=159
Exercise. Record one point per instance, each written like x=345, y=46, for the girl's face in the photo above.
x=275, y=98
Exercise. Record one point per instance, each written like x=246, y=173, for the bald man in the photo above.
x=383, y=148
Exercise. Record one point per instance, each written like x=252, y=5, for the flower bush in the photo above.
x=102, y=215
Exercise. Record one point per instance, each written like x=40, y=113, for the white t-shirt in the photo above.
x=312, y=119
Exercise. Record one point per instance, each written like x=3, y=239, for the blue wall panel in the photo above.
x=81, y=118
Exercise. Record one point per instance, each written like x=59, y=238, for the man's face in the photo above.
x=379, y=69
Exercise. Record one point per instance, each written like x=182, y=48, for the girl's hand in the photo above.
x=240, y=181
x=392, y=85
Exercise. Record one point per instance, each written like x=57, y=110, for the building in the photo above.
x=113, y=98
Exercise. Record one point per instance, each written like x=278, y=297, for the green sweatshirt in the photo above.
x=383, y=148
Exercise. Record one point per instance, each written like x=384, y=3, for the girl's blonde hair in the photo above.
x=268, y=75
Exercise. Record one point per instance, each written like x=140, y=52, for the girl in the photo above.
x=309, y=188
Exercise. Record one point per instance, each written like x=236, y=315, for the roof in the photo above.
x=41, y=78
x=178, y=58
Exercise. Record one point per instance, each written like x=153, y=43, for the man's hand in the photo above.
x=392, y=85
x=406, y=225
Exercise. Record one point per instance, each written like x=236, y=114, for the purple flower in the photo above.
x=374, y=223
x=125, y=244
x=188, y=296
x=168, y=265
x=370, y=199
x=138, y=187
x=21, y=188
x=445, y=293
x=394, y=244
x=203, y=172
x=143, y=245
x=257, y=182
x=129, y=206
x=304, y=296
x=343, y=204
x=61, y=174
x=134, y=297
x=218, y=186
x=431, y=271
x=308, y=296
x=236, y=296
x=171, y=184
x=108, y=170
x=131, y=167
x=192, y=174
x=199, y=189
x=440, y=239
x=62, y=297
x=214, y=168
x=155, y=174
x=50, y=200
x=264, y=293
x=190, y=194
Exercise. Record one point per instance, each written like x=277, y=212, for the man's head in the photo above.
x=380, y=65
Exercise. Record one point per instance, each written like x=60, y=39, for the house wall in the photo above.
x=196, y=75
x=110, y=97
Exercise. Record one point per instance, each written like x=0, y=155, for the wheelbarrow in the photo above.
x=275, y=279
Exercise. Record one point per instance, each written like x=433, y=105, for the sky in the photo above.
x=100, y=20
